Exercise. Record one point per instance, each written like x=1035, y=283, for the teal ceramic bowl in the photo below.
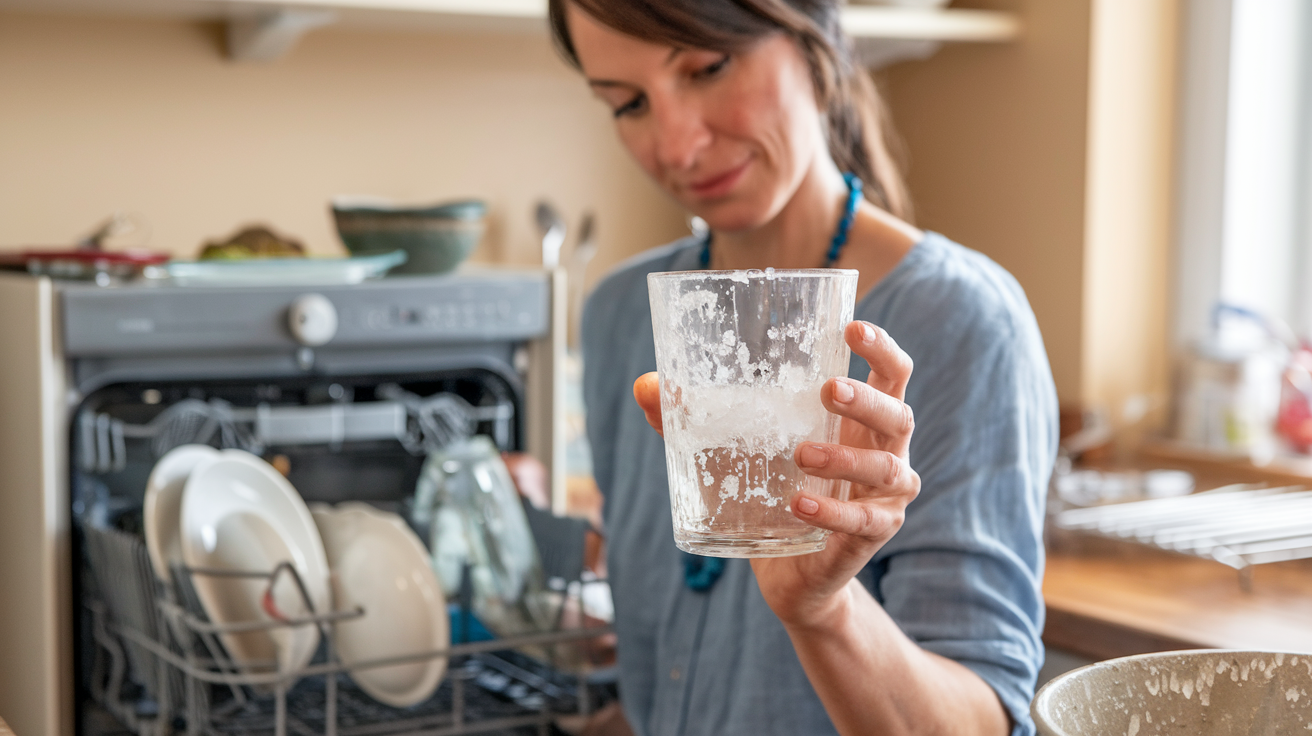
x=436, y=238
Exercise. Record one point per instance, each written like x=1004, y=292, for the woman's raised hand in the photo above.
x=872, y=454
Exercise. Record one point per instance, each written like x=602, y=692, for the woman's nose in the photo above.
x=681, y=134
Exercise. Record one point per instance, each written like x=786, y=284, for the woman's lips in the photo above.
x=720, y=184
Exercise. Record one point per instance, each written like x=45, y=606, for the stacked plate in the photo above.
x=380, y=565
x=224, y=512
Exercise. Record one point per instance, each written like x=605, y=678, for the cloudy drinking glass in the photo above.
x=742, y=356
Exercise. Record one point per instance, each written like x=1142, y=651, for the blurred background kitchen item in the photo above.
x=1294, y=420
x=278, y=271
x=101, y=267
x=578, y=271
x=256, y=241
x=88, y=259
x=1228, y=393
x=437, y=238
x=1238, y=526
x=1095, y=487
x=552, y=226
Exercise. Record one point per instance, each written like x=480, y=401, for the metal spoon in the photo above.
x=585, y=249
x=553, y=233
x=578, y=267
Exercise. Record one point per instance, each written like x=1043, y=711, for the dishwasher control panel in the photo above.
x=414, y=311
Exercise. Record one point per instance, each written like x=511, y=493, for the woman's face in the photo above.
x=729, y=135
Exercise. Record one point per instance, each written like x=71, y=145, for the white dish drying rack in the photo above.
x=154, y=635
x=1240, y=526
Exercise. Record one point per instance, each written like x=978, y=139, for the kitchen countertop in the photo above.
x=1116, y=603
x=1111, y=599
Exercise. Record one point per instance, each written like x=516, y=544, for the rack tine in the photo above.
x=104, y=455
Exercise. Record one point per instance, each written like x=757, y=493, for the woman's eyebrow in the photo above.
x=674, y=54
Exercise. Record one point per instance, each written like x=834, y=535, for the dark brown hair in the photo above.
x=857, y=120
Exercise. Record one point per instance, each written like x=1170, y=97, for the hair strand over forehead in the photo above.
x=858, y=127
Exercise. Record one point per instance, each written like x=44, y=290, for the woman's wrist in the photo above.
x=827, y=616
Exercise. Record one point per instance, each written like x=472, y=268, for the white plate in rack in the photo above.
x=378, y=564
x=240, y=514
x=163, y=505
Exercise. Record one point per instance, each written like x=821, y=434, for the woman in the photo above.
x=922, y=615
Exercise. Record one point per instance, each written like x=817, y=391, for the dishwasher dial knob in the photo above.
x=312, y=319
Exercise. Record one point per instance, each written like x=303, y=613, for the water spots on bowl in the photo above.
x=1264, y=693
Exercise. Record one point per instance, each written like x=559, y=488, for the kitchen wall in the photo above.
x=149, y=117
x=1053, y=155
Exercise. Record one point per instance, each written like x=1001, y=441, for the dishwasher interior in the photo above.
x=147, y=659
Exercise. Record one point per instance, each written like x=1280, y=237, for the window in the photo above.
x=1244, y=225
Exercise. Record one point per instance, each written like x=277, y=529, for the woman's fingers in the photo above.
x=890, y=366
x=885, y=480
x=884, y=471
x=868, y=519
x=882, y=413
x=647, y=392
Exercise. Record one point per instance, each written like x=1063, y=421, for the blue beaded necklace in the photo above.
x=854, y=187
x=701, y=573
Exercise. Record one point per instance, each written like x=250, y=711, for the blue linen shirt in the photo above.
x=962, y=576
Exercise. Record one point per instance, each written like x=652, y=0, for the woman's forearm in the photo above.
x=873, y=679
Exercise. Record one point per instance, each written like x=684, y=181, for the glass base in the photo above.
x=746, y=546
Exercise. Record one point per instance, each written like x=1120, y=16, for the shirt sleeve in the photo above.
x=963, y=576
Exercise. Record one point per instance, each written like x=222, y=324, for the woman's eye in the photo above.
x=631, y=107
x=714, y=68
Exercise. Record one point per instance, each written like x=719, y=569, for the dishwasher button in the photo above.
x=312, y=319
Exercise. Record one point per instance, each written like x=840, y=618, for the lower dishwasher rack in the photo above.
x=157, y=668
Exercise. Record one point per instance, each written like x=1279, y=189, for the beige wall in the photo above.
x=1127, y=255
x=996, y=141
x=1053, y=156
x=148, y=116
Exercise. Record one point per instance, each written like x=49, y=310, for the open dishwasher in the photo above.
x=348, y=391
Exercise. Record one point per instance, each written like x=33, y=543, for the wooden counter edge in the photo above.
x=1099, y=639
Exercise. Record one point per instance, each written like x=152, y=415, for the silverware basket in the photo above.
x=156, y=665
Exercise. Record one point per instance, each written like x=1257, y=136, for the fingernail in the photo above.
x=807, y=506
x=868, y=332
x=843, y=392
x=812, y=456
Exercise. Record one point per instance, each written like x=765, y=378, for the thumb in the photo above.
x=647, y=392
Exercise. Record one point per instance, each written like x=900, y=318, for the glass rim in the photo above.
x=764, y=274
